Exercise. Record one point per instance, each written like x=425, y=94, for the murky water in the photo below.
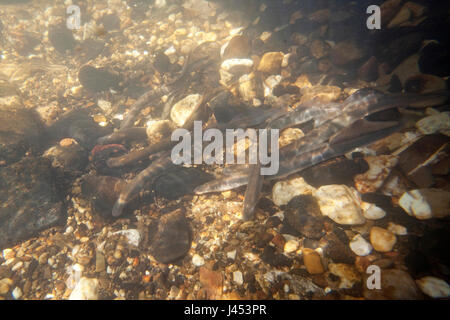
x=193, y=149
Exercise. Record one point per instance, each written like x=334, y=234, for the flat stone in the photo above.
x=172, y=239
x=341, y=204
x=426, y=203
x=86, y=289
x=347, y=273
x=379, y=169
x=30, y=199
x=360, y=246
x=395, y=285
x=312, y=261
x=284, y=191
x=271, y=62
x=434, y=287
x=183, y=109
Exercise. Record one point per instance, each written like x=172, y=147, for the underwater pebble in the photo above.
x=340, y=204
x=395, y=285
x=312, y=261
x=434, y=287
x=271, y=62
x=397, y=229
x=435, y=123
x=426, y=203
x=5, y=284
x=372, y=212
x=379, y=169
x=182, y=110
x=284, y=191
x=360, y=246
x=347, y=274
x=231, y=254
x=85, y=289
x=197, y=260
x=291, y=246
x=238, y=278
x=16, y=293
x=382, y=240
x=237, y=66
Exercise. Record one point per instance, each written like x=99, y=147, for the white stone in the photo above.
x=341, y=204
x=183, y=109
x=372, y=212
x=284, y=191
x=238, y=278
x=235, y=66
x=397, y=229
x=197, y=260
x=426, y=203
x=231, y=254
x=86, y=289
x=8, y=254
x=291, y=246
x=17, y=293
x=434, y=287
x=133, y=236
x=360, y=246
x=104, y=105
x=434, y=123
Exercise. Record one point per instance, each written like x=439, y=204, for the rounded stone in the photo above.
x=360, y=246
x=312, y=261
x=382, y=240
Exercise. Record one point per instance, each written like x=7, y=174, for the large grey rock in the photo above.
x=30, y=200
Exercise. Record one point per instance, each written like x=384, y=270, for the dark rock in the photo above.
x=424, y=83
x=25, y=43
x=79, y=125
x=89, y=49
x=416, y=155
x=102, y=192
x=273, y=222
x=69, y=158
x=179, y=181
x=172, y=240
x=336, y=171
x=369, y=70
x=395, y=285
x=346, y=52
x=238, y=47
x=434, y=59
x=271, y=257
x=337, y=247
x=162, y=62
x=395, y=85
x=110, y=21
x=30, y=200
x=303, y=214
x=401, y=47
x=61, y=38
x=20, y=130
x=98, y=79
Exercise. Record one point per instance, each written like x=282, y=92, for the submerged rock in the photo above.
x=98, y=79
x=426, y=203
x=172, y=240
x=21, y=130
x=30, y=199
x=395, y=285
